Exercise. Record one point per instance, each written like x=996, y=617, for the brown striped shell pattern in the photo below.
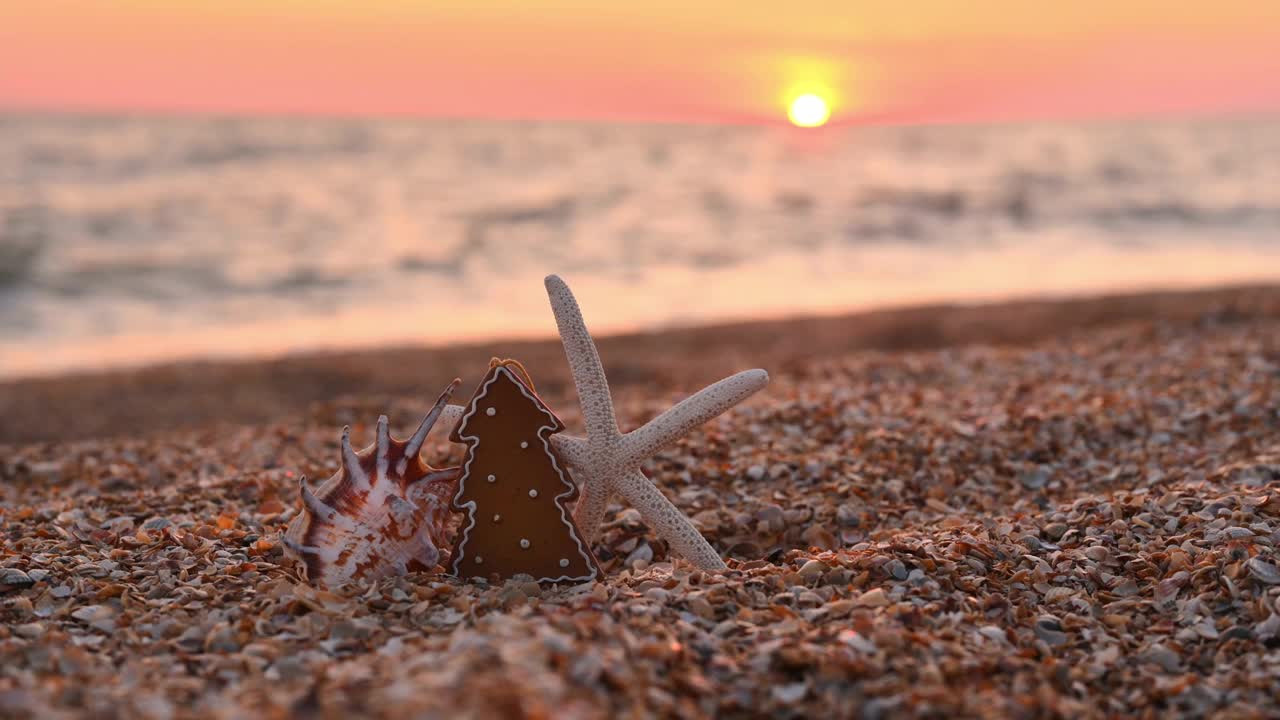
x=384, y=513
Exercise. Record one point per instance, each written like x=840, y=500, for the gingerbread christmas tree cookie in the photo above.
x=513, y=490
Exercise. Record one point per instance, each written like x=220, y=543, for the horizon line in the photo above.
x=863, y=120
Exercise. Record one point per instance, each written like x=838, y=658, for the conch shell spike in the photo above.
x=420, y=435
x=313, y=503
x=351, y=461
x=384, y=441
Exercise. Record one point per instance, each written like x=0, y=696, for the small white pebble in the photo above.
x=533, y=493
x=491, y=412
x=524, y=543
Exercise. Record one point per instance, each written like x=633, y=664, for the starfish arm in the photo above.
x=689, y=413
x=593, y=500
x=572, y=450
x=584, y=362
x=593, y=495
x=451, y=415
x=666, y=520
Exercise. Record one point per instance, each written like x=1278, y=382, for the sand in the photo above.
x=1028, y=510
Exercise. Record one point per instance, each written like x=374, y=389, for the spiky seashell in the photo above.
x=384, y=513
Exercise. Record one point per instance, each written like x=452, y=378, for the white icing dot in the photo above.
x=492, y=478
x=533, y=493
x=524, y=543
x=564, y=562
x=479, y=560
x=497, y=518
x=524, y=444
x=491, y=412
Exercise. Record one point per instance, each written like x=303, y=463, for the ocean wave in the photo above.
x=205, y=220
x=1184, y=215
x=17, y=262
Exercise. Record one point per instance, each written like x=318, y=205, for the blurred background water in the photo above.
x=136, y=239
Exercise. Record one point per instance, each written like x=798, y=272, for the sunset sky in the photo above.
x=716, y=61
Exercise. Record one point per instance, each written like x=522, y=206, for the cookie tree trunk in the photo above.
x=513, y=491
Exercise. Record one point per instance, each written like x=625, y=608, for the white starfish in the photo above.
x=607, y=461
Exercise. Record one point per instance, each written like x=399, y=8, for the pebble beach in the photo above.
x=1036, y=509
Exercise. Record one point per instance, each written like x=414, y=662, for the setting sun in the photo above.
x=809, y=111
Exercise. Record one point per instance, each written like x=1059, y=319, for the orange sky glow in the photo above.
x=712, y=61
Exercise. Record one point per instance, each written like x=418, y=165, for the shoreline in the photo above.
x=193, y=394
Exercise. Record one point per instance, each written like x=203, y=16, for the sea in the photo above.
x=132, y=240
